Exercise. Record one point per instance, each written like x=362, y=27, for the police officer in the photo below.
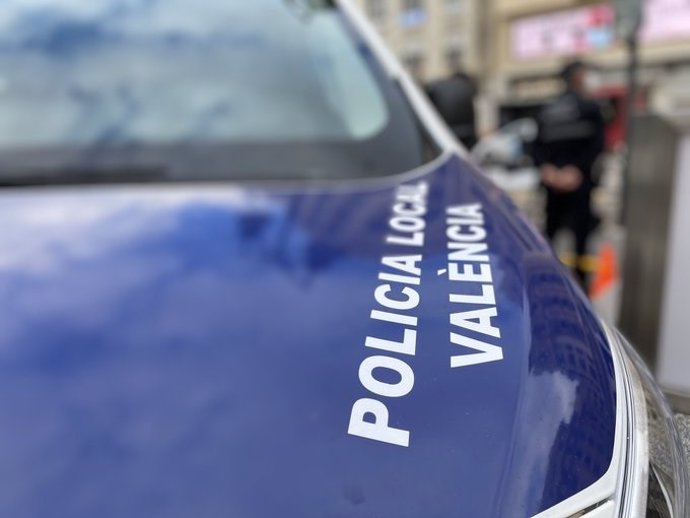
x=570, y=139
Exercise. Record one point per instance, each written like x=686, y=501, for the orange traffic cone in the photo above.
x=607, y=272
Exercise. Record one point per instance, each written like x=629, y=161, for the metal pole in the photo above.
x=629, y=17
x=633, y=65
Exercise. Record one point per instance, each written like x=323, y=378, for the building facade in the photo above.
x=432, y=37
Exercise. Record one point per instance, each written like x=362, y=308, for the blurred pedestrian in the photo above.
x=454, y=99
x=570, y=139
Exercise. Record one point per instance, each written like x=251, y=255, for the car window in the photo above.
x=197, y=89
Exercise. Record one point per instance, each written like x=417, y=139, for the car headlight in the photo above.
x=652, y=481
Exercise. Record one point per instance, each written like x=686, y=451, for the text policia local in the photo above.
x=468, y=270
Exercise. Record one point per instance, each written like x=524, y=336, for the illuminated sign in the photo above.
x=562, y=33
x=665, y=20
x=592, y=28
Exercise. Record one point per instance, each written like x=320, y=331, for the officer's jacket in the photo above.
x=571, y=132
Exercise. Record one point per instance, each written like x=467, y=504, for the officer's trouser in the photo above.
x=573, y=211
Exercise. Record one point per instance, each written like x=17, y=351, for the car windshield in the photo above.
x=196, y=89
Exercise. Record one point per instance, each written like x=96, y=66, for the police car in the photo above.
x=246, y=272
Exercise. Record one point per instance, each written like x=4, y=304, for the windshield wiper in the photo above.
x=83, y=176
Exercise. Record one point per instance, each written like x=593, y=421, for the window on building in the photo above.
x=454, y=59
x=413, y=13
x=414, y=62
x=376, y=9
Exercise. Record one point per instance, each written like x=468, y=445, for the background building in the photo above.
x=432, y=37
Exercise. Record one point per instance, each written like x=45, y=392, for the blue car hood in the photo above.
x=223, y=351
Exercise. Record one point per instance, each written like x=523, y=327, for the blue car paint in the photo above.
x=194, y=351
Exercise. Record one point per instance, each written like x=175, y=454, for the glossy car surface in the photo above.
x=173, y=351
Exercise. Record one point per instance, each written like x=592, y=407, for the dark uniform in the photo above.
x=571, y=133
